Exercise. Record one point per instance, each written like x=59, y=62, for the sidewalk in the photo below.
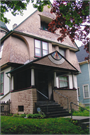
x=77, y=117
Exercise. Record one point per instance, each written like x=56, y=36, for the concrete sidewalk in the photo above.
x=77, y=117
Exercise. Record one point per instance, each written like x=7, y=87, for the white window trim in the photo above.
x=88, y=91
x=1, y=50
x=79, y=91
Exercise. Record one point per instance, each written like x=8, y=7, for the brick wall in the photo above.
x=26, y=98
x=70, y=94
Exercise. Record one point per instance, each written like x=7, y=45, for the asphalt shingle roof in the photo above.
x=81, y=54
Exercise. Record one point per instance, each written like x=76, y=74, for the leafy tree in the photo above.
x=70, y=17
x=17, y=6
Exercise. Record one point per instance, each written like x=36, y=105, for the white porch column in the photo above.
x=74, y=81
x=12, y=83
x=55, y=84
x=32, y=78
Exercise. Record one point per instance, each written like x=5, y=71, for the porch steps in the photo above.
x=84, y=123
x=52, y=109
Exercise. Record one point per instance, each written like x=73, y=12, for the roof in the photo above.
x=46, y=61
x=2, y=25
x=81, y=54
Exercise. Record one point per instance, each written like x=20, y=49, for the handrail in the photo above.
x=42, y=94
x=76, y=105
x=64, y=97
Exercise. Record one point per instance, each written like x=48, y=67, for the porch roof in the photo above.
x=48, y=62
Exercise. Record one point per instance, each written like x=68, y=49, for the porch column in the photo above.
x=55, y=84
x=12, y=83
x=32, y=77
x=74, y=81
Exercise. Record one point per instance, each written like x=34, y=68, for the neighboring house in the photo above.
x=32, y=59
x=83, y=79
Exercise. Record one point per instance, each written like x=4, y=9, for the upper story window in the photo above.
x=44, y=25
x=41, y=48
x=62, y=51
x=86, y=91
x=1, y=83
x=1, y=49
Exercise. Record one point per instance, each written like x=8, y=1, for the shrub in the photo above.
x=82, y=107
x=23, y=115
x=35, y=115
x=16, y=115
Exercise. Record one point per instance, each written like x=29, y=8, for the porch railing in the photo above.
x=76, y=105
x=44, y=96
x=63, y=97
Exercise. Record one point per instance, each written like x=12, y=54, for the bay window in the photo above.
x=41, y=48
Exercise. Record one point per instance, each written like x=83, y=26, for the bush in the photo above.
x=35, y=115
x=23, y=115
x=16, y=115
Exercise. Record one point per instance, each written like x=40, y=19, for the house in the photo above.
x=35, y=66
x=83, y=79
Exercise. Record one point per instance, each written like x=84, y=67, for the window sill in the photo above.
x=87, y=98
x=65, y=89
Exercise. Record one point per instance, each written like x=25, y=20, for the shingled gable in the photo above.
x=32, y=26
x=64, y=64
x=45, y=61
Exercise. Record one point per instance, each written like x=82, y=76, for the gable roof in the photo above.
x=81, y=54
x=45, y=61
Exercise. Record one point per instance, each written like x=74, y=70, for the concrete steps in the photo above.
x=52, y=109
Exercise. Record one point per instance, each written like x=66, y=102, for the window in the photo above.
x=20, y=108
x=44, y=25
x=41, y=48
x=63, y=81
x=62, y=52
x=1, y=49
x=1, y=83
x=86, y=91
x=78, y=92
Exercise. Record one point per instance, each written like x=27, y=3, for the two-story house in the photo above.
x=83, y=79
x=34, y=65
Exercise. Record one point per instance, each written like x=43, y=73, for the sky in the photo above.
x=18, y=19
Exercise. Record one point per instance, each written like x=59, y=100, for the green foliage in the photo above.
x=16, y=115
x=16, y=7
x=81, y=113
x=35, y=115
x=17, y=125
x=23, y=115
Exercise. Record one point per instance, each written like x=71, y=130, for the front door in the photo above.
x=42, y=85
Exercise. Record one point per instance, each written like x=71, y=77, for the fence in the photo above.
x=5, y=107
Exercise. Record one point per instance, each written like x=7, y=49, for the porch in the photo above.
x=38, y=79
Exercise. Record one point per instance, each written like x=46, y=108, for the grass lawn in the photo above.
x=17, y=125
x=82, y=112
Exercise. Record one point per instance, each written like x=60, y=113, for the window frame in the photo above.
x=84, y=92
x=62, y=50
x=1, y=50
x=41, y=48
x=78, y=91
x=2, y=93
x=64, y=81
